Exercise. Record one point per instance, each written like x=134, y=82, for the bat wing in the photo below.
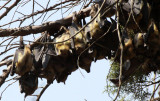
x=45, y=60
x=51, y=50
x=29, y=80
x=15, y=60
x=47, y=55
x=38, y=52
x=18, y=51
x=72, y=30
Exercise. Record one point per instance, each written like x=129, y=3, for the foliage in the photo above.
x=134, y=86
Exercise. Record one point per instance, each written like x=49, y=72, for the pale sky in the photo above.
x=77, y=87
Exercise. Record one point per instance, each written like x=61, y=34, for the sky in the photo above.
x=91, y=87
x=77, y=88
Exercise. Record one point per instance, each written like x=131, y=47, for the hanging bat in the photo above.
x=23, y=60
x=48, y=72
x=63, y=49
x=43, y=59
x=128, y=50
x=139, y=44
x=28, y=84
x=86, y=59
x=78, y=42
x=95, y=27
x=152, y=39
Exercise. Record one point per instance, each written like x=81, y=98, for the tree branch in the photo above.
x=5, y=75
x=22, y=31
x=5, y=62
x=8, y=9
x=39, y=96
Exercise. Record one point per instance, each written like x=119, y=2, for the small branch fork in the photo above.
x=9, y=8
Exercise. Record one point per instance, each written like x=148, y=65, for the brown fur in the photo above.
x=128, y=51
x=63, y=48
x=25, y=61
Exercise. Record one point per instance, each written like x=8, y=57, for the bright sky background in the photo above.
x=77, y=88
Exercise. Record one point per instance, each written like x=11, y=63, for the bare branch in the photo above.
x=6, y=88
x=5, y=74
x=121, y=45
x=6, y=62
x=43, y=90
x=7, y=57
x=5, y=4
x=22, y=31
x=154, y=92
x=8, y=50
x=8, y=9
x=39, y=12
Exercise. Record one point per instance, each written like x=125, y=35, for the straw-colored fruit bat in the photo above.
x=139, y=43
x=78, y=42
x=48, y=72
x=86, y=59
x=63, y=77
x=152, y=39
x=149, y=65
x=28, y=84
x=63, y=66
x=43, y=59
x=128, y=50
x=43, y=53
x=135, y=14
x=56, y=67
x=23, y=60
x=95, y=27
x=63, y=48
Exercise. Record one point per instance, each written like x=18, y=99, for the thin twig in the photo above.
x=6, y=88
x=8, y=50
x=154, y=87
x=14, y=78
x=5, y=75
x=5, y=4
x=7, y=57
x=154, y=92
x=21, y=31
x=5, y=62
x=39, y=12
x=39, y=96
x=10, y=42
x=121, y=45
x=8, y=9
x=6, y=40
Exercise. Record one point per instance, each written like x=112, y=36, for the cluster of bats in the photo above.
x=97, y=41
x=140, y=50
x=57, y=61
